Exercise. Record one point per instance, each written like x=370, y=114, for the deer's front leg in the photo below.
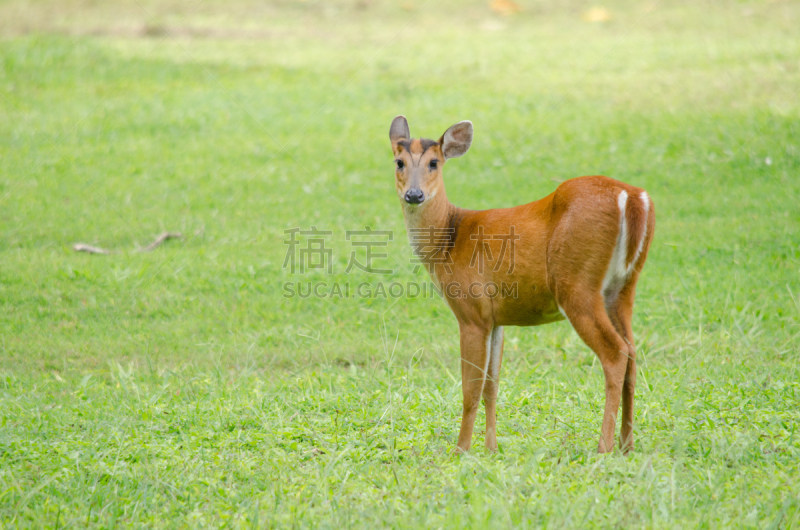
x=476, y=343
x=491, y=386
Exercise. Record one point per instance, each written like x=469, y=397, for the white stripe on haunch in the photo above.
x=617, y=272
x=646, y=202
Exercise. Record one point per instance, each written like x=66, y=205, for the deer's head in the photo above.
x=418, y=161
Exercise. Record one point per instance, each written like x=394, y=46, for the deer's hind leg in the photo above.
x=620, y=311
x=587, y=313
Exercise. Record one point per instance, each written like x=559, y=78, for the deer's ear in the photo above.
x=456, y=140
x=399, y=130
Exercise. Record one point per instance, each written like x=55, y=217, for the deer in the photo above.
x=575, y=254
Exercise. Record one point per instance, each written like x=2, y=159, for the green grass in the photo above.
x=180, y=388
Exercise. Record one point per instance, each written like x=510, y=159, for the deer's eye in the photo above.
x=433, y=165
x=400, y=164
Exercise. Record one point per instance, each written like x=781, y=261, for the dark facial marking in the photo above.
x=427, y=144
x=413, y=145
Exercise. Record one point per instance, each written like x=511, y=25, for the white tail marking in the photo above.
x=617, y=272
x=646, y=202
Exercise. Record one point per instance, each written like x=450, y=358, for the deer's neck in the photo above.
x=432, y=228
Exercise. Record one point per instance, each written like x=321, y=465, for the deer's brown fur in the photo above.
x=570, y=245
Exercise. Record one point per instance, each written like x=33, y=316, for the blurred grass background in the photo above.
x=233, y=121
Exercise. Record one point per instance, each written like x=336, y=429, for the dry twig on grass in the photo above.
x=83, y=247
x=160, y=240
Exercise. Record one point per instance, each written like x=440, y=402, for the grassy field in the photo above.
x=180, y=388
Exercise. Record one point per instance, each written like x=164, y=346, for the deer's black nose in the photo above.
x=414, y=196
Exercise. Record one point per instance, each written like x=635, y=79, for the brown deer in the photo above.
x=575, y=254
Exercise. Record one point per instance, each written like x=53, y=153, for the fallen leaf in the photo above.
x=597, y=14
x=505, y=7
